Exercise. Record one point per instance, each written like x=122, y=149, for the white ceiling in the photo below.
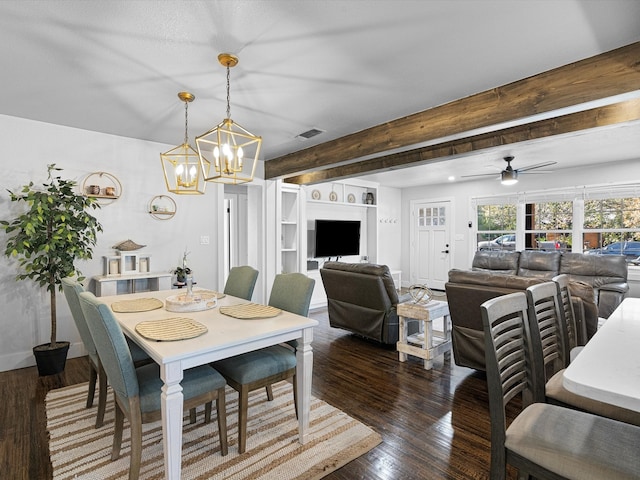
x=341, y=66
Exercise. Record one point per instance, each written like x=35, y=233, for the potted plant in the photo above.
x=181, y=274
x=53, y=231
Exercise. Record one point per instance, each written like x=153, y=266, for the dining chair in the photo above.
x=72, y=289
x=137, y=391
x=241, y=282
x=262, y=368
x=550, y=354
x=576, y=330
x=543, y=441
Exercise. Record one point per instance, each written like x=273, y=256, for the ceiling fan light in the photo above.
x=509, y=177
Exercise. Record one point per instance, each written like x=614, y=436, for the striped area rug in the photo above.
x=80, y=451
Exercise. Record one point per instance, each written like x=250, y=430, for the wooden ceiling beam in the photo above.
x=608, y=115
x=611, y=73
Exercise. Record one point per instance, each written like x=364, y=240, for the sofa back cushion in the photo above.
x=365, y=284
x=496, y=262
x=492, y=279
x=539, y=264
x=596, y=270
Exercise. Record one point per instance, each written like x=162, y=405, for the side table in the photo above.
x=427, y=344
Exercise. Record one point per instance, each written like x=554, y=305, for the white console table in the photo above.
x=130, y=283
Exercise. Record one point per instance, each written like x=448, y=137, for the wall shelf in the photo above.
x=162, y=207
x=102, y=186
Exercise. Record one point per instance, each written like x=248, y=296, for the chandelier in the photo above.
x=232, y=149
x=184, y=170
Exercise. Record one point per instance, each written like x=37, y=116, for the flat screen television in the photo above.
x=337, y=238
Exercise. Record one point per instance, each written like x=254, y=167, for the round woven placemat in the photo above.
x=207, y=294
x=137, y=305
x=250, y=310
x=170, y=329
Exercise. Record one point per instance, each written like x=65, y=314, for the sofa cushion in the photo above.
x=595, y=270
x=497, y=262
x=492, y=279
x=381, y=271
x=539, y=264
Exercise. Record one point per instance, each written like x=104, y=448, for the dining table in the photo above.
x=220, y=336
x=607, y=369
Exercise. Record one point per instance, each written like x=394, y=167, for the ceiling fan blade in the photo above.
x=481, y=175
x=536, y=172
x=537, y=165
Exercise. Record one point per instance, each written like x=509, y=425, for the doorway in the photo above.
x=430, y=243
x=235, y=228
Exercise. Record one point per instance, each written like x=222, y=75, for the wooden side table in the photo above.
x=429, y=343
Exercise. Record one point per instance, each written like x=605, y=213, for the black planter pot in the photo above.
x=51, y=361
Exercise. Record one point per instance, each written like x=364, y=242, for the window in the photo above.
x=612, y=226
x=548, y=225
x=496, y=227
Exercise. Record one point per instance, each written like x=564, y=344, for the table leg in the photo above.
x=172, y=407
x=428, y=344
x=402, y=331
x=304, y=373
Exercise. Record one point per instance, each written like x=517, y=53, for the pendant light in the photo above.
x=233, y=151
x=184, y=170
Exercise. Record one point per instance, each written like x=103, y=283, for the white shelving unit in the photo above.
x=290, y=224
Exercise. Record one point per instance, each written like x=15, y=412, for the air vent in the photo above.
x=309, y=134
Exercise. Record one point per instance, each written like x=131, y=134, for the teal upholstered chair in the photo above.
x=137, y=391
x=262, y=368
x=544, y=441
x=72, y=289
x=241, y=282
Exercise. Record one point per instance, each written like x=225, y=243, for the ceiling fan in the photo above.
x=509, y=176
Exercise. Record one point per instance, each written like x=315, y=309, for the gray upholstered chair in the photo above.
x=575, y=328
x=137, y=391
x=262, y=368
x=551, y=354
x=544, y=441
x=241, y=282
x=72, y=289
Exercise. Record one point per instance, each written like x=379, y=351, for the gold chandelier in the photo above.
x=184, y=170
x=232, y=149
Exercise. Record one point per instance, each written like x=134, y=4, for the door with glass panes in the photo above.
x=431, y=243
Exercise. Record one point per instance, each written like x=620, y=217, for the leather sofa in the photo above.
x=362, y=299
x=597, y=285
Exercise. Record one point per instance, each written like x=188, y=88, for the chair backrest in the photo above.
x=241, y=282
x=566, y=303
x=292, y=292
x=111, y=345
x=547, y=328
x=509, y=364
x=72, y=290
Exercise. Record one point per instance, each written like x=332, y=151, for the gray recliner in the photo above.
x=362, y=298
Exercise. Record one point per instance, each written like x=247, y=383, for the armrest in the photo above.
x=610, y=298
x=620, y=287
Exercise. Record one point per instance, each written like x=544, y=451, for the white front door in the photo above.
x=431, y=243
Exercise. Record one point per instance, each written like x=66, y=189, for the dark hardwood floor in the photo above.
x=434, y=424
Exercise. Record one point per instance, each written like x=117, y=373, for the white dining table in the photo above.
x=607, y=369
x=225, y=337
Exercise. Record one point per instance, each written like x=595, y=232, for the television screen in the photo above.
x=337, y=238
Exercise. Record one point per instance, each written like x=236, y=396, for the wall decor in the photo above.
x=162, y=207
x=102, y=186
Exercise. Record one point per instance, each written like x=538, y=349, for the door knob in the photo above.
x=444, y=251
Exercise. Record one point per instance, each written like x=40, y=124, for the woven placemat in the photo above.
x=250, y=310
x=137, y=305
x=208, y=294
x=169, y=329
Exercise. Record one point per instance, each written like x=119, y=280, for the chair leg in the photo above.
x=117, y=433
x=207, y=412
x=102, y=397
x=192, y=416
x=221, y=409
x=269, y=389
x=93, y=376
x=136, y=445
x=243, y=406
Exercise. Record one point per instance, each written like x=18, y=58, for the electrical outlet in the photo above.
x=204, y=240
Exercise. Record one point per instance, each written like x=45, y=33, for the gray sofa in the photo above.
x=597, y=284
x=362, y=299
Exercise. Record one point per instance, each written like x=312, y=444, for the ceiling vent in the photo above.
x=309, y=134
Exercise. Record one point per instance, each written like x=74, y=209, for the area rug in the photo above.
x=80, y=451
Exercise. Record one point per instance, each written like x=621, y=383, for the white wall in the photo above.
x=28, y=147
x=463, y=248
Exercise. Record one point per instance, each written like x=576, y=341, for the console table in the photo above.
x=428, y=343
x=119, y=284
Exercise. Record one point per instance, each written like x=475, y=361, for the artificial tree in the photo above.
x=49, y=236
